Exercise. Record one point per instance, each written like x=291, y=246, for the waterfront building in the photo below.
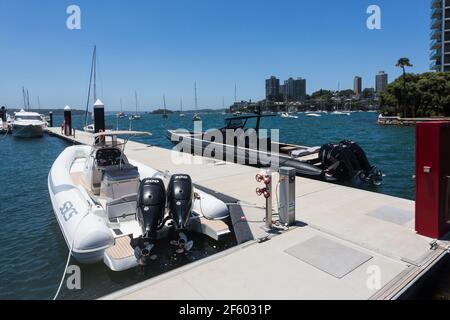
x=295, y=89
x=440, y=35
x=357, y=85
x=381, y=82
x=272, y=88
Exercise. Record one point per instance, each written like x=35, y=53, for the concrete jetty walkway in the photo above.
x=348, y=243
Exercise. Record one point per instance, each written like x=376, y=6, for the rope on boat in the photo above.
x=68, y=258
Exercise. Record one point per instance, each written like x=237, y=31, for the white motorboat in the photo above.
x=28, y=124
x=135, y=117
x=89, y=128
x=196, y=117
x=313, y=115
x=340, y=113
x=113, y=209
x=288, y=115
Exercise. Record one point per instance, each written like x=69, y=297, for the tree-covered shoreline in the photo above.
x=418, y=96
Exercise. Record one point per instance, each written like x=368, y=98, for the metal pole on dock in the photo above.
x=99, y=116
x=269, y=201
x=50, y=114
x=67, y=121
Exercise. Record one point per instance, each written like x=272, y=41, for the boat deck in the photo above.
x=344, y=242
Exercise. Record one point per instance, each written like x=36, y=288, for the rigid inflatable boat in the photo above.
x=344, y=162
x=113, y=209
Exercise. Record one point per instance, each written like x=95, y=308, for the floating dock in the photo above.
x=346, y=244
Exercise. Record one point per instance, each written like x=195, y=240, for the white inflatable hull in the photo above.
x=84, y=224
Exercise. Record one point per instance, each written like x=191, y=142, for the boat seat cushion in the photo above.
x=122, y=207
x=120, y=173
x=304, y=152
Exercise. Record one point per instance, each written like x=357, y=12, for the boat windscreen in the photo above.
x=37, y=118
x=241, y=123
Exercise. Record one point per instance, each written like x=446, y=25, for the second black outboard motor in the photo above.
x=180, y=195
x=151, y=206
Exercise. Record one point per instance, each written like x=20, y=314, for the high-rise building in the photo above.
x=295, y=89
x=283, y=92
x=440, y=35
x=357, y=85
x=381, y=82
x=272, y=88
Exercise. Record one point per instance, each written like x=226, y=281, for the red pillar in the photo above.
x=433, y=178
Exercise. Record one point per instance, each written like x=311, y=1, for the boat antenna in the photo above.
x=90, y=85
x=39, y=103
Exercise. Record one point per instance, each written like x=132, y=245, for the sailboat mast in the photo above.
x=235, y=93
x=24, y=99
x=39, y=103
x=181, y=104
x=164, y=99
x=121, y=106
x=95, y=73
x=136, y=99
x=90, y=86
x=195, y=92
x=28, y=100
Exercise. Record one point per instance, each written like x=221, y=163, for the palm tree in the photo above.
x=404, y=63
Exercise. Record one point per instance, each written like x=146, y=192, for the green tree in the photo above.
x=424, y=95
x=403, y=63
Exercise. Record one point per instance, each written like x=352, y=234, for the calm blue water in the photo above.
x=33, y=252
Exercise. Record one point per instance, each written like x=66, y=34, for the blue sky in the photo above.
x=157, y=47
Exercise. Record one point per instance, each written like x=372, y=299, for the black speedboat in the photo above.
x=344, y=162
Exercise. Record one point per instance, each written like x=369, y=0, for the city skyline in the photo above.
x=159, y=48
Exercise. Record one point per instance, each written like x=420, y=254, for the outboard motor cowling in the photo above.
x=347, y=161
x=151, y=206
x=180, y=194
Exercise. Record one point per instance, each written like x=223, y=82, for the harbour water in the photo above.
x=33, y=252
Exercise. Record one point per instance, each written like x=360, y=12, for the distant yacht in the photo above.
x=340, y=113
x=28, y=124
x=313, y=115
x=121, y=114
x=136, y=116
x=288, y=115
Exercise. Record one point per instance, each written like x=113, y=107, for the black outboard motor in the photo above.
x=151, y=205
x=180, y=195
x=347, y=161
